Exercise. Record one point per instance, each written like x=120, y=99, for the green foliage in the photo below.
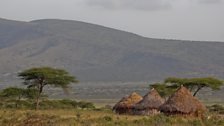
x=171, y=84
x=47, y=104
x=210, y=82
x=31, y=93
x=58, y=104
x=216, y=108
x=194, y=84
x=19, y=93
x=86, y=105
x=72, y=103
x=47, y=76
x=38, y=78
x=12, y=92
x=162, y=89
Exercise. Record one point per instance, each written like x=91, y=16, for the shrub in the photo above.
x=108, y=118
x=216, y=108
x=47, y=104
x=86, y=105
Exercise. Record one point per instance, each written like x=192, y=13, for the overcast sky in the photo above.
x=173, y=19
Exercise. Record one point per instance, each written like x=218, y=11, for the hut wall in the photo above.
x=123, y=110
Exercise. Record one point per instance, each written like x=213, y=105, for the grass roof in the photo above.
x=152, y=100
x=128, y=102
x=182, y=101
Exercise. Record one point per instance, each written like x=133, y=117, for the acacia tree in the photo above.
x=194, y=84
x=38, y=78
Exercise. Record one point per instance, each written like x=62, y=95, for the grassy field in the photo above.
x=77, y=117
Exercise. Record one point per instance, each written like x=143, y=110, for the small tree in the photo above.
x=194, y=84
x=38, y=78
x=31, y=93
x=13, y=93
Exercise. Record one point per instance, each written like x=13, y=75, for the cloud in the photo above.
x=144, y=4
x=131, y=4
x=210, y=1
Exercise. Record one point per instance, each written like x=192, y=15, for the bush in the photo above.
x=85, y=105
x=58, y=104
x=47, y=104
x=216, y=108
x=68, y=102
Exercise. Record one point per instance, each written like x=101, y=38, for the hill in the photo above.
x=97, y=53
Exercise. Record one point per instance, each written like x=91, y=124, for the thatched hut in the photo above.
x=149, y=105
x=125, y=104
x=182, y=102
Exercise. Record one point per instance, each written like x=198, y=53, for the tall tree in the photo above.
x=194, y=84
x=40, y=77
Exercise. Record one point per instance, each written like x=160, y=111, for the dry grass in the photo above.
x=97, y=118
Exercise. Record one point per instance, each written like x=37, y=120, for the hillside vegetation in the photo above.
x=97, y=53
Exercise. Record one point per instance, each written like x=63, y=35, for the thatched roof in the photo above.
x=183, y=102
x=128, y=102
x=151, y=100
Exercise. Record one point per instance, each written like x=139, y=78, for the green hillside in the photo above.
x=97, y=53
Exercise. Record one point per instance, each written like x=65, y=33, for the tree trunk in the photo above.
x=17, y=101
x=199, y=88
x=37, y=102
x=40, y=88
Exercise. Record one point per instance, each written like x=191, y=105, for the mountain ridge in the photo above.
x=97, y=53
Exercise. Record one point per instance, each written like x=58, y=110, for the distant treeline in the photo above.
x=45, y=104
